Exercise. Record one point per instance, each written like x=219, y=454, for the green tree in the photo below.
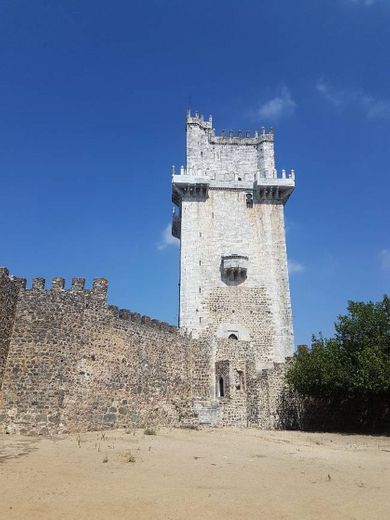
x=353, y=367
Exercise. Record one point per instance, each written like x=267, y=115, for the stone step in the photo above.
x=208, y=412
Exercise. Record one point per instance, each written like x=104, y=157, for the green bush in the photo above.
x=350, y=372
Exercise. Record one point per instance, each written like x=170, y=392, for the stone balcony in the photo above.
x=234, y=267
x=188, y=185
x=276, y=188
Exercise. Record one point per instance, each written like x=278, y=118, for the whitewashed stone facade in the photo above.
x=233, y=262
x=230, y=221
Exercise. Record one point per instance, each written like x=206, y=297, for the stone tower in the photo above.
x=229, y=218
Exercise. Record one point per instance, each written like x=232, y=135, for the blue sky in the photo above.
x=93, y=97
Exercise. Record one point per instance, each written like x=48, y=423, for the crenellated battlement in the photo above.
x=228, y=137
x=98, y=291
x=228, y=156
x=99, y=287
x=135, y=317
x=283, y=174
x=20, y=283
x=199, y=119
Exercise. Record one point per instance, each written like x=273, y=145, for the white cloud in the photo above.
x=337, y=98
x=167, y=239
x=275, y=108
x=295, y=267
x=385, y=259
x=373, y=108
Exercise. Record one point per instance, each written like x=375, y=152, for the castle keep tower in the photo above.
x=230, y=222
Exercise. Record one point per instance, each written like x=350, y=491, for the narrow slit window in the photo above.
x=240, y=380
x=221, y=387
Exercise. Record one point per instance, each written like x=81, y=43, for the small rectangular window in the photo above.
x=240, y=381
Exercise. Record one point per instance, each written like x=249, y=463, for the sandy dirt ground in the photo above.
x=186, y=474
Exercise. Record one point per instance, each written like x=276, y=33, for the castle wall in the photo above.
x=234, y=362
x=77, y=364
x=258, y=308
x=9, y=290
x=252, y=398
x=270, y=391
x=70, y=362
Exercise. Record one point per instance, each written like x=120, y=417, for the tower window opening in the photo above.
x=233, y=336
x=249, y=200
x=221, y=387
x=240, y=380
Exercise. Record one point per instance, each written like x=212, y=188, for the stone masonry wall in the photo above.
x=228, y=219
x=234, y=361
x=76, y=364
x=222, y=157
x=271, y=391
x=260, y=306
x=9, y=289
x=252, y=397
